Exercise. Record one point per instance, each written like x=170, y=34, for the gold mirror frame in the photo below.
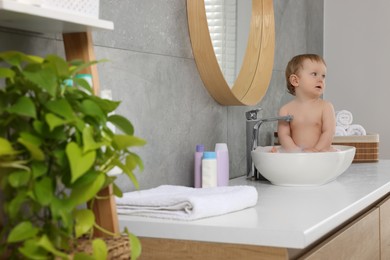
x=256, y=70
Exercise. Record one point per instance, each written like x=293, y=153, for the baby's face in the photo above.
x=311, y=78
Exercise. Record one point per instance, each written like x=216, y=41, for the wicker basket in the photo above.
x=367, y=146
x=117, y=247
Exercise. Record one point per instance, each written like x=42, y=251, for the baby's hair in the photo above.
x=295, y=64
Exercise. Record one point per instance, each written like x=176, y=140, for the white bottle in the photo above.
x=222, y=164
x=209, y=169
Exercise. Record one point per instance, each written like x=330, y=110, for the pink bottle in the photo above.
x=222, y=164
x=198, y=166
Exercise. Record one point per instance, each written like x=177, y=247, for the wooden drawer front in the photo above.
x=358, y=240
x=384, y=209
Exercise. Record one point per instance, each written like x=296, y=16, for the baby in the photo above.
x=313, y=126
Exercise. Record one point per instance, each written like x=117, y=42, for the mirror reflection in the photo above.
x=229, y=25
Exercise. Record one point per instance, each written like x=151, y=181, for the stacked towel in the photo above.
x=344, y=126
x=340, y=131
x=344, y=118
x=185, y=203
x=355, y=130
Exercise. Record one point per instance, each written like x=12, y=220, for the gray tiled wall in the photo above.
x=153, y=73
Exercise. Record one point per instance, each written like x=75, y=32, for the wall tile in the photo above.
x=166, y=101
x=146, y=26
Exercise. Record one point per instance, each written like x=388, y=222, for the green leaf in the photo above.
x=22, y=231
x=15, y=58
x=80, y=65
x=15, y=164
x=79, y=162
x=32, y=250
x=99, y=249
x=61, y=208
x=59, y=64
x=62, y=108
x=14, y=206
x=122, y=123
x=85, y=219
x=31, y=138
x=106, y=105
x=19, y=178
x=124, y=141
x=117, y=191
x=127, y=171
x=44, y=78
x=90, y=108
x=133, y=160
x=135, y=245
x=38, y=126
x=6, y=73
x=84, y=193
x=38, y=169
x=89, y=142
x=43, y=191
x=83, y=84
x=35, y=151
x=6, y=147
x=45, y=243
x=83, y=256
x=24, y=107
x=53, y=121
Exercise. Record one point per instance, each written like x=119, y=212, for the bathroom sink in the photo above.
x=302, y=169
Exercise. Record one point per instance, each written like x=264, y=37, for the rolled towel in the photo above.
x=355, y=129
x=340, y=131
x=344, y=118
x=185, y=203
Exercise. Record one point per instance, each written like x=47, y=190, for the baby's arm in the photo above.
x=284, y=133
x=328, y=128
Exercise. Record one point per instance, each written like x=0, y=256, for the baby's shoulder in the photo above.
x=326, y=103
x=284, y=110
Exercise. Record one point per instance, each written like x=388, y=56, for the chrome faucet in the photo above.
x=253, y=124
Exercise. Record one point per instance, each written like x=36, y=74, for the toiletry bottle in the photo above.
x=209, y=169
x=198, y=166
x=222, y=164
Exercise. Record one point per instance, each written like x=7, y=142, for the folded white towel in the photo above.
x=344, y=118
x=355, y=129
x=340, y=131
x=185, y=203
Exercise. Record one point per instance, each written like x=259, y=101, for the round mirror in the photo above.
x=229, y=22
x=250, y=80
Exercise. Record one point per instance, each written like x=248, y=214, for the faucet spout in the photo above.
x=252, y=172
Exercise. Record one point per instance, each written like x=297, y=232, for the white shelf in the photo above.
x=38, y=19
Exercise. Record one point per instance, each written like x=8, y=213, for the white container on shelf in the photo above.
x=81, y=7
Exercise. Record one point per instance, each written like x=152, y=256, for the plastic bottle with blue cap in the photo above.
x=209, y=169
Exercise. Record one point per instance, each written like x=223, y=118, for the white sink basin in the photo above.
x=302, y=169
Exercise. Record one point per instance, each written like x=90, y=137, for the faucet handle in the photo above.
x=252, y=114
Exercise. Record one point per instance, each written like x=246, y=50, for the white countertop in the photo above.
x=289, y=217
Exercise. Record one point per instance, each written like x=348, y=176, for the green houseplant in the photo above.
x=55, y=154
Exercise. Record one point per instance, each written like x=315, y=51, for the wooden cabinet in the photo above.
x=384, y=218
x=358, y=240
x=367, y=236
